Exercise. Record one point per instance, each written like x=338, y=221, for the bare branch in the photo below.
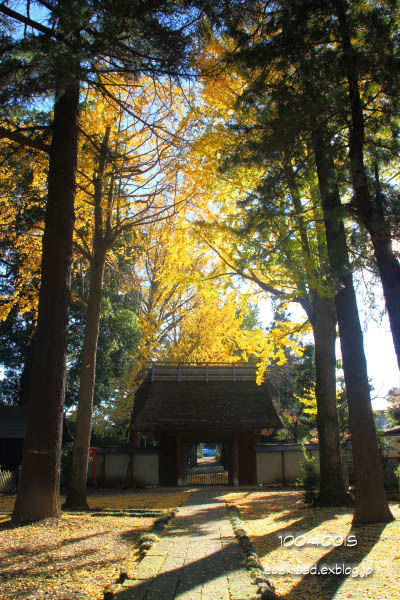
x=26, y=20
x=16, y=136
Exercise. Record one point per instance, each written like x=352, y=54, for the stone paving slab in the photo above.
x=134, y=589
x=149, y=567
x=197, y=559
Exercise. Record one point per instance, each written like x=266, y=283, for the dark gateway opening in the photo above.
x=206, y=464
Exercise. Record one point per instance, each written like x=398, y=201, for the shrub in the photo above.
x=309, y=476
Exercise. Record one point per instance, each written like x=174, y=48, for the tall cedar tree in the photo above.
x=370, y=211
x=285, y=41
x=82, y=37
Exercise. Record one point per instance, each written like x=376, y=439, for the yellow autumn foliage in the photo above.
x=160, y=181
x=22, y=191
x=309, y=401
x=187, y=314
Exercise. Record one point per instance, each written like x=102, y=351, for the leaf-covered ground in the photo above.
x=76, y=556
x=271, y=517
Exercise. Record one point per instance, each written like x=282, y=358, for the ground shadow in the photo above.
x=337, y=559
x=301, y=518
x=195, y=526
x=315, y=584
x=186, y=578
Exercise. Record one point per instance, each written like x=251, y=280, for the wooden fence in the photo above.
x=219, y=478
x=8, y=481
x=170, y=371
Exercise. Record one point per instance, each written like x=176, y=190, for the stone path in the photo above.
x=198, y=558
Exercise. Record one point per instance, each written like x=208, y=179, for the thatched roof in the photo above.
x=212, y=401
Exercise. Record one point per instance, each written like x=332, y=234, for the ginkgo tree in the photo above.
x=22, y=192
x=188, y=314
x=22, y=196
x=265, y=225
x=127, y=179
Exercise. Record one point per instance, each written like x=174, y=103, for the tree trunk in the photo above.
x=80, y=453
x=369, y=213
x=26, y=375
x=332, y=490
x=370, y=501
x=389, y=272
x=322, y=316
x=38, y=493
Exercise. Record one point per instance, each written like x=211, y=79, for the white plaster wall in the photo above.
x=293, y=462
x=145, y=468
x=116, y=466
x=269, y=469
x=269, y=466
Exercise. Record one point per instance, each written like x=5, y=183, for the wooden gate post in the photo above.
x=179, y=461
x=235, y=460
x=283, y=467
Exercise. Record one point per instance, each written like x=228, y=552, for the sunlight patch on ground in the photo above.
x=147, y=498
x=275, y=521
x=78, y=555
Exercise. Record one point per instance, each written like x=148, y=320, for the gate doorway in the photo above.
x=206, y=464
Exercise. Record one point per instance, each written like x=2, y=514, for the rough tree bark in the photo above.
x=370, y=502
x=332, y=490
x=322, y=316
x=80, y=453
x=370, y=213
x=39, y=486
x=26, y=374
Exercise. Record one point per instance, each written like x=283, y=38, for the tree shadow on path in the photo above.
x=325, y=586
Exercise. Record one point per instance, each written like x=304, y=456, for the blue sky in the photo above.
x=382, y=366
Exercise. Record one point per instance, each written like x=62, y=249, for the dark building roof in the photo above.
x=204, y=397
x=13, y=421
x=392, y=431
x=284, y=447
